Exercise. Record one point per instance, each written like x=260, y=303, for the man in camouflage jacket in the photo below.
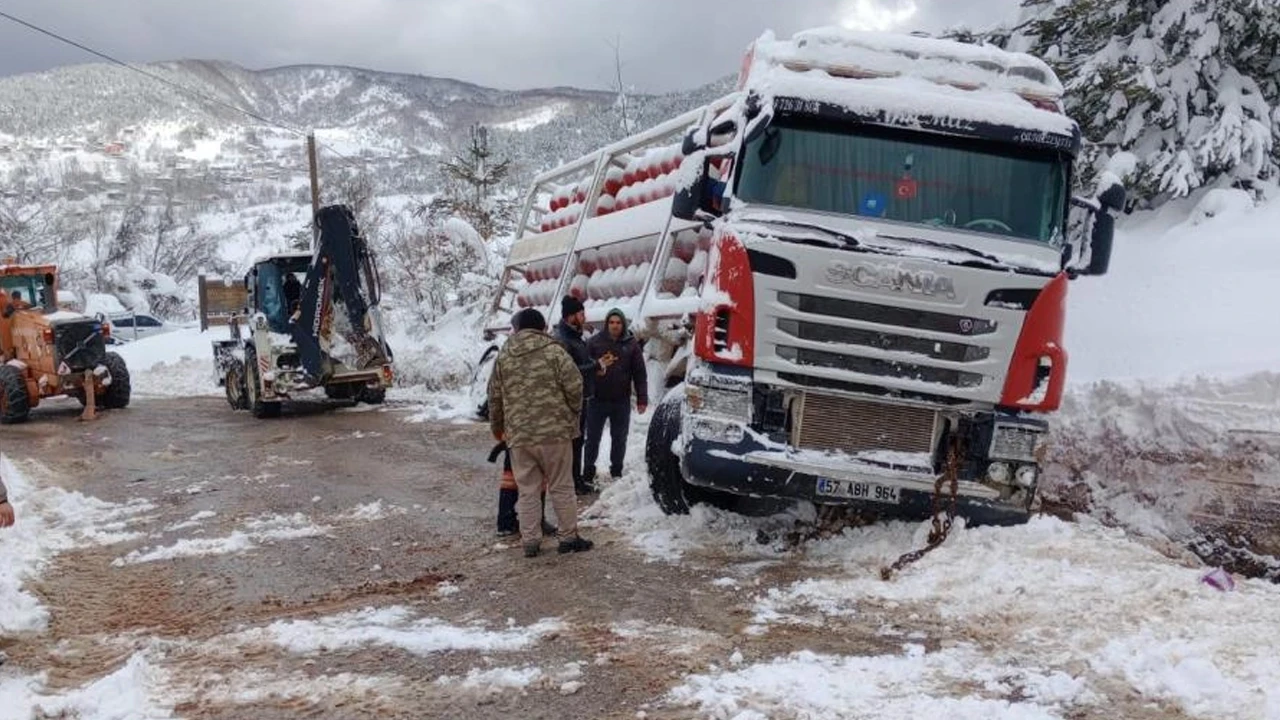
x=535, y=396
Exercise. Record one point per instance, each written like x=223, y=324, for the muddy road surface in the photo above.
x=344, y=563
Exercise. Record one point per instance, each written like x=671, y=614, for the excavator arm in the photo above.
x=337, y=316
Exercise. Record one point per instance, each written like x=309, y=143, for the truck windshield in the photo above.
x=909, y=177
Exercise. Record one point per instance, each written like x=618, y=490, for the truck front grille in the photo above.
x=840, y=424
x=882, y=368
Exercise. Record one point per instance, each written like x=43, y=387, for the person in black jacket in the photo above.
x=573, y=320
x=621, y=368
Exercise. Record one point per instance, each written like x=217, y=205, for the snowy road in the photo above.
x=181, y=560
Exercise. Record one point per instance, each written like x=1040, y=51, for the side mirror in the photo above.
x=1100, y=242
x=1113, y=197
x=1102, y=235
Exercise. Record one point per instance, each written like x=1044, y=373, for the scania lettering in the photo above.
x=852, y=273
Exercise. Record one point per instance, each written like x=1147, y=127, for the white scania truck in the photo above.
x=854, y=268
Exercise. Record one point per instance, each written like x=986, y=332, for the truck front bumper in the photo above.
x=750, y=468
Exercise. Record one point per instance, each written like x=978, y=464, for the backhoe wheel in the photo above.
x=253, y=388
x=116, y=395
x=235, y=386
x=372, y=395
x=15, y=405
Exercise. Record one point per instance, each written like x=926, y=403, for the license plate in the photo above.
x=857, y=490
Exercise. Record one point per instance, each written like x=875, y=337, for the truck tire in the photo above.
x=371, y=395
x=344, y=391
x=253, y=388
x=15, y=405
x=235, y=386
x=116, y=395
x=666, y=482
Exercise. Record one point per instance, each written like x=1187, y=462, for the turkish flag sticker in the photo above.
x=907, y=189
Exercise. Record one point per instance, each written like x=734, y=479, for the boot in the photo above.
x=531, y=549
x=575, y=545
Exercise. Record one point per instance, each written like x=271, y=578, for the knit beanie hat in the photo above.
x=570, y=305
x=528, y=319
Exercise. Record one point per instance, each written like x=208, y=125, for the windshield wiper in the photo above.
x=848, y=240
x=947, y=246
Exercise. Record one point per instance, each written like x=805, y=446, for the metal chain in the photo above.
x=941, y=521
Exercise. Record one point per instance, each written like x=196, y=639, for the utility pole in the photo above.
x=315, y=188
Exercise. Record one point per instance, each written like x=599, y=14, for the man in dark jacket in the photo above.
x=573, y=318
x=535, y=395
x=621, y=369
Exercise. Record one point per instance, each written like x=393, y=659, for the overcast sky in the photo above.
x=510, y=44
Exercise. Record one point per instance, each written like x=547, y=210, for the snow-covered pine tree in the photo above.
x=474, y=180
x=1189, y=87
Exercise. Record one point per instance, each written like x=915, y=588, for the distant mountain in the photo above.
x=382, y=117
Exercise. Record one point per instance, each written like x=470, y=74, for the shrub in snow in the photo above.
x=1219, y=202
x=438, y=265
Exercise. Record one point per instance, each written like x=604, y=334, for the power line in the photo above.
x=170, y=83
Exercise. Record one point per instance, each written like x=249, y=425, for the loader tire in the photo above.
x=236, y=386
x=253, y=388
x=116, y=395
x=15, y=405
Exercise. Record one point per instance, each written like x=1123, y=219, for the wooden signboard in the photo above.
x=220, y=300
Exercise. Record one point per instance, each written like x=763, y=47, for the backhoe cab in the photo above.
x=47, y=352
x=312, y=321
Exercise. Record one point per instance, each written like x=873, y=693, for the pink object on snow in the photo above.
x=1219, y=579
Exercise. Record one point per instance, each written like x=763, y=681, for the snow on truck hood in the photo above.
x=899, y=240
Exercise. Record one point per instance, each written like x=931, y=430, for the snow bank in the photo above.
x=1187, y=295
x=50, y=521
x=173, y=364
x=1163, y=628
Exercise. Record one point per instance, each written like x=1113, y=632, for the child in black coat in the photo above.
x=508, y=493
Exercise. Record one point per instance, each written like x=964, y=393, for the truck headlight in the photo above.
x=714, y=401
x=1015, y=442
x=998, y=472
x=1026, y=476
x=718, y=431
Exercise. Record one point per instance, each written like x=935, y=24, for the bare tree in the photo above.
x=622, y=102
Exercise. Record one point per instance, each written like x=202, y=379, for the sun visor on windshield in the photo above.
x=931, y=122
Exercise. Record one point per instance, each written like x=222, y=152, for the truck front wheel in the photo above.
x=666, y=481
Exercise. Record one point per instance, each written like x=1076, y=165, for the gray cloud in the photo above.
x=665, y=44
